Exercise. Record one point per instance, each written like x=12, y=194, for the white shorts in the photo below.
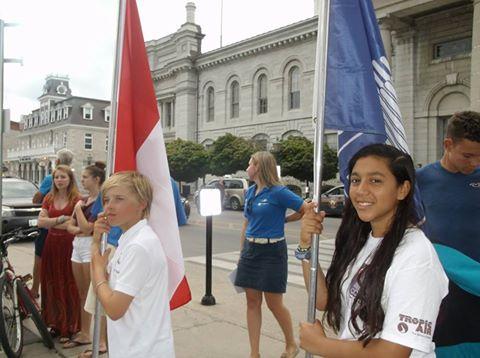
x=91, y=297
x=82, y=246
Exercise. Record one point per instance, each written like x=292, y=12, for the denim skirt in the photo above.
x=263, y=267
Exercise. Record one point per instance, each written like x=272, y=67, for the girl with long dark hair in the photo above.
x=383, y=290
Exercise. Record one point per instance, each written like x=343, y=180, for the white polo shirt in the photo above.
x=414, y=287
x=139, y=269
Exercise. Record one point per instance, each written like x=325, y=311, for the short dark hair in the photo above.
x=464, y=125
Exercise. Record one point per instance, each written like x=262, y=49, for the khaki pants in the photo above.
x=91, y=297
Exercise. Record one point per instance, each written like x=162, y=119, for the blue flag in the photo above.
x=360, y=101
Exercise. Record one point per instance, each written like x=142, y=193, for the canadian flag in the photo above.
x=139, y=146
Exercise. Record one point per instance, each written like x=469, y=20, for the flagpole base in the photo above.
x=208, y=300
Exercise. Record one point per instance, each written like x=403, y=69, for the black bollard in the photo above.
x=208, y=299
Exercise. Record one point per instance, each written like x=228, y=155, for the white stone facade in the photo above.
x=418, y=35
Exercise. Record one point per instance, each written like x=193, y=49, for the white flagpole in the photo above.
x=111, y=146
x=318, y=116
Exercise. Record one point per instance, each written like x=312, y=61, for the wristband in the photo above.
x=302, y=253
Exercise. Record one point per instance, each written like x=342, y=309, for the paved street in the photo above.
x=226, y=320
x=226, y=232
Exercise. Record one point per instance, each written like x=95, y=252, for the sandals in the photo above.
x=89, y=353
x=290, y=354
x=74, y=343
x=64, y=340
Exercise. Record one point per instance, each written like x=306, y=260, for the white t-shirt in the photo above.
x=139, y=269
x=414, y=287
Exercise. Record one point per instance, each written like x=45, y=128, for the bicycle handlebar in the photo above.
x=17, y=234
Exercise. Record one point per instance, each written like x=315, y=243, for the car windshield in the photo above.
x=18, y=189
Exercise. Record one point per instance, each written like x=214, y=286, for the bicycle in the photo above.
x=16, y=301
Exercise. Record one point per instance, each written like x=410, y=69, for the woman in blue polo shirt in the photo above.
x=262, y=268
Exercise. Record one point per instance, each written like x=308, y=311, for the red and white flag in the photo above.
x=139, y=146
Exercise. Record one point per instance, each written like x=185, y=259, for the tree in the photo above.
x=229, y=154
x=187, y=160
x=295, y=155
x=329, y=163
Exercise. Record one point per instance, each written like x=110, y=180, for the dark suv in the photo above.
x=17, y=207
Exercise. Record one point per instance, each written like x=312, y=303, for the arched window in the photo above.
x=262, y=94
x=261, y=140
x=210, y=104
x=234, y=99
x=294, y=88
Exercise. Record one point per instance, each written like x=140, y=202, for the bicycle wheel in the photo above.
x=11, y=329
x=36, y=317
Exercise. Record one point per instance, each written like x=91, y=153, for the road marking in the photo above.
x=228, y=260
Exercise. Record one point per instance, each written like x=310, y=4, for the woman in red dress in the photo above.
x=60, y=299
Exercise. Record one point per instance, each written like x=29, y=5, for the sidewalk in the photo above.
x=219, y=330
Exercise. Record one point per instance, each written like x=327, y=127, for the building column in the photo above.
x=37, y=172
x=386, y=33
x=404, y=82
x=475, y=59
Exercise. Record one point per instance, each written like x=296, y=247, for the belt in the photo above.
x=264, y=240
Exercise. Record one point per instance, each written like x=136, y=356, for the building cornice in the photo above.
x=47, y=129
x=173, y=68
x=304, y=30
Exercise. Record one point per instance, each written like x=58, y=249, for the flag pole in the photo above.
x=111, y=148
x=318, y=117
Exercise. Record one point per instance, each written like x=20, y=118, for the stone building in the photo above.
x=262, y=87
x=62, y=121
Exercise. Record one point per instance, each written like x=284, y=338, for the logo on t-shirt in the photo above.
x=475, y=185
x=402, y=327
x=418, y=326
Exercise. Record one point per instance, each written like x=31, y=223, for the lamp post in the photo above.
x=3, y=113
x=210, y=205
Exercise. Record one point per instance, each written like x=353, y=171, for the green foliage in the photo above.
x=187, y=160
x=329, y=163
x=295, y=155
x=229, y=154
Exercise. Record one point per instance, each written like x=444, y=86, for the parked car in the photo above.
x=17, y=207
x=235, y=189
x=186, y=206
x=333, y=201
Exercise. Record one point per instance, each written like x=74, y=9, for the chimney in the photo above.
x=315, y=7
x=190, y=12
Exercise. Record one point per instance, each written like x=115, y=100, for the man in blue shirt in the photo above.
x=450, y=191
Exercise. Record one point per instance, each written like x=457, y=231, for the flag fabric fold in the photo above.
x=360, y=100
x=139, y=145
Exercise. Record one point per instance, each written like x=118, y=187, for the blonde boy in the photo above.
x=132, y=288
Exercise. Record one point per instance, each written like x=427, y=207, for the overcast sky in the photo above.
x=77, y=38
